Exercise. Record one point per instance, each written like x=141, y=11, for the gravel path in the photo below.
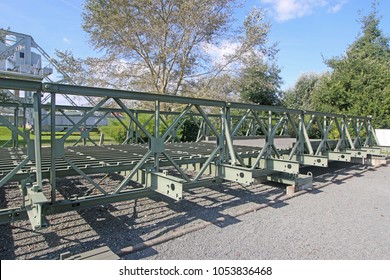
x=346, y=216
x=344, y=220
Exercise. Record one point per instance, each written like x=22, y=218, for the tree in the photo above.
x=103, y=72
x=300, y=96
x=221, y=87
x=165, y=41
x=3, y=34
x=259, y=83
x=360, y=81
x=164, y=36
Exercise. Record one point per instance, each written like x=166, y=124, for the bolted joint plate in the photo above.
x=156, y=145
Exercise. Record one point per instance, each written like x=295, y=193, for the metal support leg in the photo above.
x=34, y=193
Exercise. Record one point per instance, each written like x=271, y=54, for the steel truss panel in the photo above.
x=151, y=160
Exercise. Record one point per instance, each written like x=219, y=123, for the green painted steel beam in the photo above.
x=18, y=84
x=264, y=108
x=11, y=215
x=134, y=95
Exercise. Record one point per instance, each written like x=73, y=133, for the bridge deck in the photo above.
x=111, y=158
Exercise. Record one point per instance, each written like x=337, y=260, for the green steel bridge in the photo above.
x=153, y=160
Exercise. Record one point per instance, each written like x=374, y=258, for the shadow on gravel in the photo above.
x=7, y=248
x=133, y=222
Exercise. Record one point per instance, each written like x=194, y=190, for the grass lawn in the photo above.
x=6, y=135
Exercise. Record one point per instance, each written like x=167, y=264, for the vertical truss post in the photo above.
x=136, y=128
x=37, y=139
x=304, y=137
x=301, y=136
x=16, y=123
x=339, y=129
x=326, y=131
x=83, y=130
x=24, y=119
x=34, y=193
x=156, y=135
x=324, y=136
x=129, y=133
x=53, y=182
x=270, y=136
x=230, y=154
x=351, y=145
x=223, y=135
x=342, y=144
x=357, y=128
x=371, y=135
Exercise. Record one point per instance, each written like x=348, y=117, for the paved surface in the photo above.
x=345, y=219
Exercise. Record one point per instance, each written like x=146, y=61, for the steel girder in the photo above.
x=156, y=163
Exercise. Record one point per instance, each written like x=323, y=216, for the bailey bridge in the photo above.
x=151, y=159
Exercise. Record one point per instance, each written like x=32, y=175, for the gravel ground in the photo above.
x=346, y=219
x=346, y=216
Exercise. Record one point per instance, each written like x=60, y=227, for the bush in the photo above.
x=189, y=131
x=115, y=130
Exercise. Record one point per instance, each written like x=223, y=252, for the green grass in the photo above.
x=6, y=135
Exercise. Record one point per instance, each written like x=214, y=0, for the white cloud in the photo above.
x=66, y=40
x=336, y=7
x=219, y=53
x=284, y=10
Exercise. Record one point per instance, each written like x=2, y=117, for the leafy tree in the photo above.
x=221, y=87
x=3, y=34
x=163, y=36
x=360, y=81
x=258, y=78
x=162, y=46
x=300, y=96
x=259, y=83
x=103, y=72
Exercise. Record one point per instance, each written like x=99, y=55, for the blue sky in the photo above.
x=306, y=30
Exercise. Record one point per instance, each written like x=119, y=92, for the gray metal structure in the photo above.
x=21, y=58
x=153, y=161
